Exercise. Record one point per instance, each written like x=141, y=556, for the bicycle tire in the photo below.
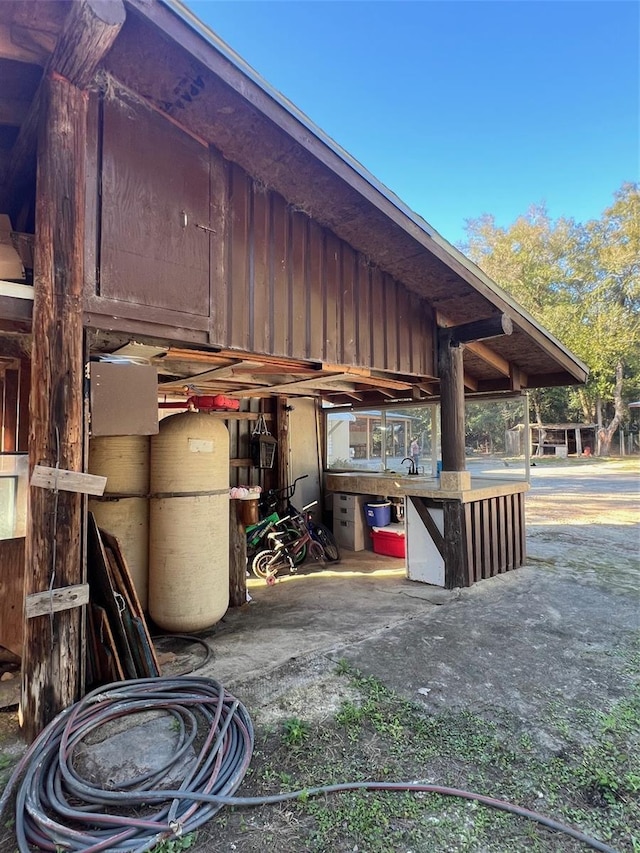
x=264, y=565
x=326, y=538
x=293, y=534
x=317, y=552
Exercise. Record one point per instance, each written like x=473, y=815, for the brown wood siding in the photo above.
x=299, y=291
x=14, y=408
x=495, y=535
x=266, y=278
x=152, y=173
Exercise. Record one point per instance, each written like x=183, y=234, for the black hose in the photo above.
x=189, y=638
x=56, y=807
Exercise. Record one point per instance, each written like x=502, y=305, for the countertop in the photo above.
x=392, y=485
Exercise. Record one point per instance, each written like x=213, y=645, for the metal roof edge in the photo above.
x=182, y=11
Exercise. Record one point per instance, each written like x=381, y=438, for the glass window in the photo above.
x=496, y=438
x=390, y=439
x=379, y=439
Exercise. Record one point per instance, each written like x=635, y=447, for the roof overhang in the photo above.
x=167, y=58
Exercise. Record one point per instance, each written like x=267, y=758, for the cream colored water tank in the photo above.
x=124, y=461
x=189, y=523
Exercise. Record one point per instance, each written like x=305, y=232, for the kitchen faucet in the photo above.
x=413, y=470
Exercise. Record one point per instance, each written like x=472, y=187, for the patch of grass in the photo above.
x=176, y=845
x=582, y=770
x=295, y=732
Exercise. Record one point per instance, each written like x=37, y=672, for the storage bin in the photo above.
x=378, y=514
x=391, y=544
x=352, y=535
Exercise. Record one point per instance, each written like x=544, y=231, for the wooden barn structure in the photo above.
x=166, y=204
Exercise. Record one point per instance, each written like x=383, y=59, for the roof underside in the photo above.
x=199, y=84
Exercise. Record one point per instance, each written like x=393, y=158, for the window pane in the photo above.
x=495, y=438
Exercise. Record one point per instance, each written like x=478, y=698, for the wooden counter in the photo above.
x=475, y=533
x=420, y=486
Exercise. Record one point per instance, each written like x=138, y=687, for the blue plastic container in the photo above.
x=378, y=514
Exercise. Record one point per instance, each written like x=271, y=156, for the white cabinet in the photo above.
x=424, y=561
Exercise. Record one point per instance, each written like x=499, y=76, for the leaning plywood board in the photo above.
x=11, y=594
x=128, y=589
x=104, y=593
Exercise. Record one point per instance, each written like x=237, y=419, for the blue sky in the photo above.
x=461, y=108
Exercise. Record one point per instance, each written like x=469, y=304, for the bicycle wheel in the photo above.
x=326, y=538
x=291, y=536
x=266, y=563
x=316, y=552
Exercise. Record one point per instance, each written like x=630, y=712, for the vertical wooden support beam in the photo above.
x=282, y=419
x=451, y=375
x=237, y=558
x=23, y=406
x=10, y=437
x=51, y=665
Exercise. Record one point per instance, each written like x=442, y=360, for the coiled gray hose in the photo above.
x=55, y=807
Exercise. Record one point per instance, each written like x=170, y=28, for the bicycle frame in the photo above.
x=285, y=554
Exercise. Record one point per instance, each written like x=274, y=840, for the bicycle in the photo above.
x=266, y=564
x=281, y=498
x=257, y=535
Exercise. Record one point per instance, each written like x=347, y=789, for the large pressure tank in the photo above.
x=189, y=523
x=124, y=461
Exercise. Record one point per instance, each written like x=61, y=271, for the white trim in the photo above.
x=17, y=291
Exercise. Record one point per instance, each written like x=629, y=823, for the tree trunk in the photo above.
x=535, y=402
x=587, y=408
x=605, y=434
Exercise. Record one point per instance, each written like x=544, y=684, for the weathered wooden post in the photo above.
x=451, y=373
x=237, y=557
x=454, y=477
x=52, y=650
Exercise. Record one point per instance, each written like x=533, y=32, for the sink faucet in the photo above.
x=413, y=470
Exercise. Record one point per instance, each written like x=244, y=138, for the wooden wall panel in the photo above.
x=332, y=301
x=152, y=173
x=10, y=411
x=389, y=322
x=298, y=286
x=23, y=406
x=348, y=282
x=363, y=317
x=378, y=338
x=259, y=271
x=218, y=247
x=240, y=288
x=404, y=330
x=279, y=301
x=259, y=276
x=316, y=305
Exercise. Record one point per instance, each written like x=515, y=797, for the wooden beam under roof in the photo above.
x=490, y=357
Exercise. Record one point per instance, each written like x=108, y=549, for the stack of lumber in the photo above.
x=118, y=643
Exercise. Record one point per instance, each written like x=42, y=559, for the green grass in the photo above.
x=591, y=782
x=176, y=845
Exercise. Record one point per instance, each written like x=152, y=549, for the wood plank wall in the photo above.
x=496, y=536
x=295, y=289
x=14, y=408
x=267, y=278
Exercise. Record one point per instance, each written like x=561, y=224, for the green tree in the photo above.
x=581, y=281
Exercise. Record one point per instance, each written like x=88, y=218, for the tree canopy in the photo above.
x=581, y=281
